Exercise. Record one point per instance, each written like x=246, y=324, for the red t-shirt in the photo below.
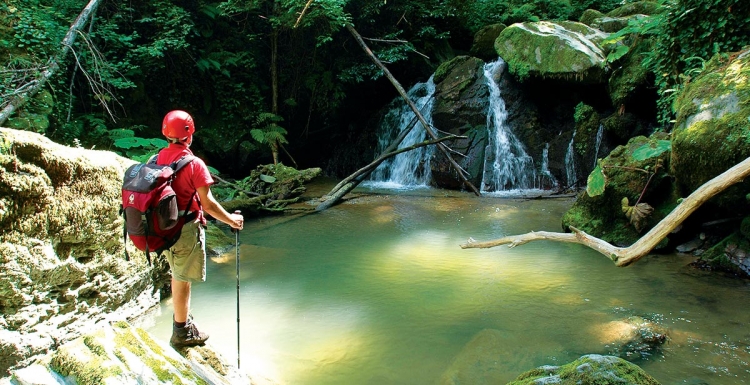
x=189, y=179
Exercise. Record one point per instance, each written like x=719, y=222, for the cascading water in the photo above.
x=599, y=134
x=570, y=166
x=412, y=168
x=506, y=166
x=546, y=180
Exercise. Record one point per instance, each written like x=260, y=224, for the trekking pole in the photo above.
x=237, y=264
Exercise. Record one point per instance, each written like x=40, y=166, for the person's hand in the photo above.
x=238, y=221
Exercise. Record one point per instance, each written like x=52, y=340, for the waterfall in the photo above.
x=506, y=166
x=546, y=180
x=412, y=168
x=570, y=166
x=599, y=134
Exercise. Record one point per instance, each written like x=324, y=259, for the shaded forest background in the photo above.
x=261, y=74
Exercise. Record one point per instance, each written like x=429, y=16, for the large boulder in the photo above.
x=712, y=114
x=484, y=42
x=460, y=108
x=557, y=50
x=636, y=172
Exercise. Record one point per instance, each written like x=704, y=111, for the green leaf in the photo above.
x=267, y=178
x=596, y=182
x=651, y=150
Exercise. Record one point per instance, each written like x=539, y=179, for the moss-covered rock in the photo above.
x=589, y=16
x=557, y=50
x=712, y=114
x=589, y=369
x=484, y=42
x=635, y=8
x=123, y=354
x=628, y=175
x=630, y=75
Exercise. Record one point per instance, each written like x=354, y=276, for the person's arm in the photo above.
x=211, y=206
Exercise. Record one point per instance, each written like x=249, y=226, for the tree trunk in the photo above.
x=53, y=65
x=623, y=256
x=414, y=108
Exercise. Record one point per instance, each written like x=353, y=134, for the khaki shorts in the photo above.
x=187, y=258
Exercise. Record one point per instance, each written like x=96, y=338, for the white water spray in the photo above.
x=412, y=168
x=506, y=166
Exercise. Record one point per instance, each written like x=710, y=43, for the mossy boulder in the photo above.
x=484, y=42
x=636, y=171
x=590, y=15
x=589, y=369
x=557, y=50
x=637, y=8
x=712, y=115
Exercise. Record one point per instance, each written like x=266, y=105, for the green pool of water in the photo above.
x=376, y=290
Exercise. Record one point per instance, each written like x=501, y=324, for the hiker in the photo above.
x=187, y=258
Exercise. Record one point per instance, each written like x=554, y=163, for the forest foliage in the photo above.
x=233, y=63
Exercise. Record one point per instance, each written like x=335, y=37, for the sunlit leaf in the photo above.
x=649, y=151
x=267, y=178
x=596, y=182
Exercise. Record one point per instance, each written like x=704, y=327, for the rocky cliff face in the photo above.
x=62, y=266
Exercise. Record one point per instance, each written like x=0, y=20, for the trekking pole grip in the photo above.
x=238, y=212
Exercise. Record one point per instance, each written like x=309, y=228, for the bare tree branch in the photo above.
x=627, y=255
x=53, y=64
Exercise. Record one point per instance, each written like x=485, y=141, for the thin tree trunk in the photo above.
x=623, y=256
x=414, y=108
x=53, y=65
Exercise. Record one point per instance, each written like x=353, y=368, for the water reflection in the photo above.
x=377, y=290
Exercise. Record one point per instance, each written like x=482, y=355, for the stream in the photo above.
x=376, y=290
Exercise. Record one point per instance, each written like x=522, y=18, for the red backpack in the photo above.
x=152, y=220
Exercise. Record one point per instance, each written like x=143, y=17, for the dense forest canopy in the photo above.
x=258, y=74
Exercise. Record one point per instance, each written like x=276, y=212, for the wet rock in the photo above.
x=122, y=354
x=589, y=369
x=638, y=338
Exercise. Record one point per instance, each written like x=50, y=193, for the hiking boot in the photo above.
x=188, y=335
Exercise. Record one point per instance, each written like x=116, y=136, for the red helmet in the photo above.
x=178, y=125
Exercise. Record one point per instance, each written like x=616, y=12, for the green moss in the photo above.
x=589, y=369
x=93, y=345
x=161, y=365
x=90, y=372
x=638, y=7
x=446, y=67
x=546, y=55
x=716, y=256
x=589, y=16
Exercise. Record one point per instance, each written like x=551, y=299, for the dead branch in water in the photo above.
x=623, y=256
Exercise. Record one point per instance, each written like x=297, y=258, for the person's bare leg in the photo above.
x=180, y=300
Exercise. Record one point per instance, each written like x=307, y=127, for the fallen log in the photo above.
x=623, y=256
